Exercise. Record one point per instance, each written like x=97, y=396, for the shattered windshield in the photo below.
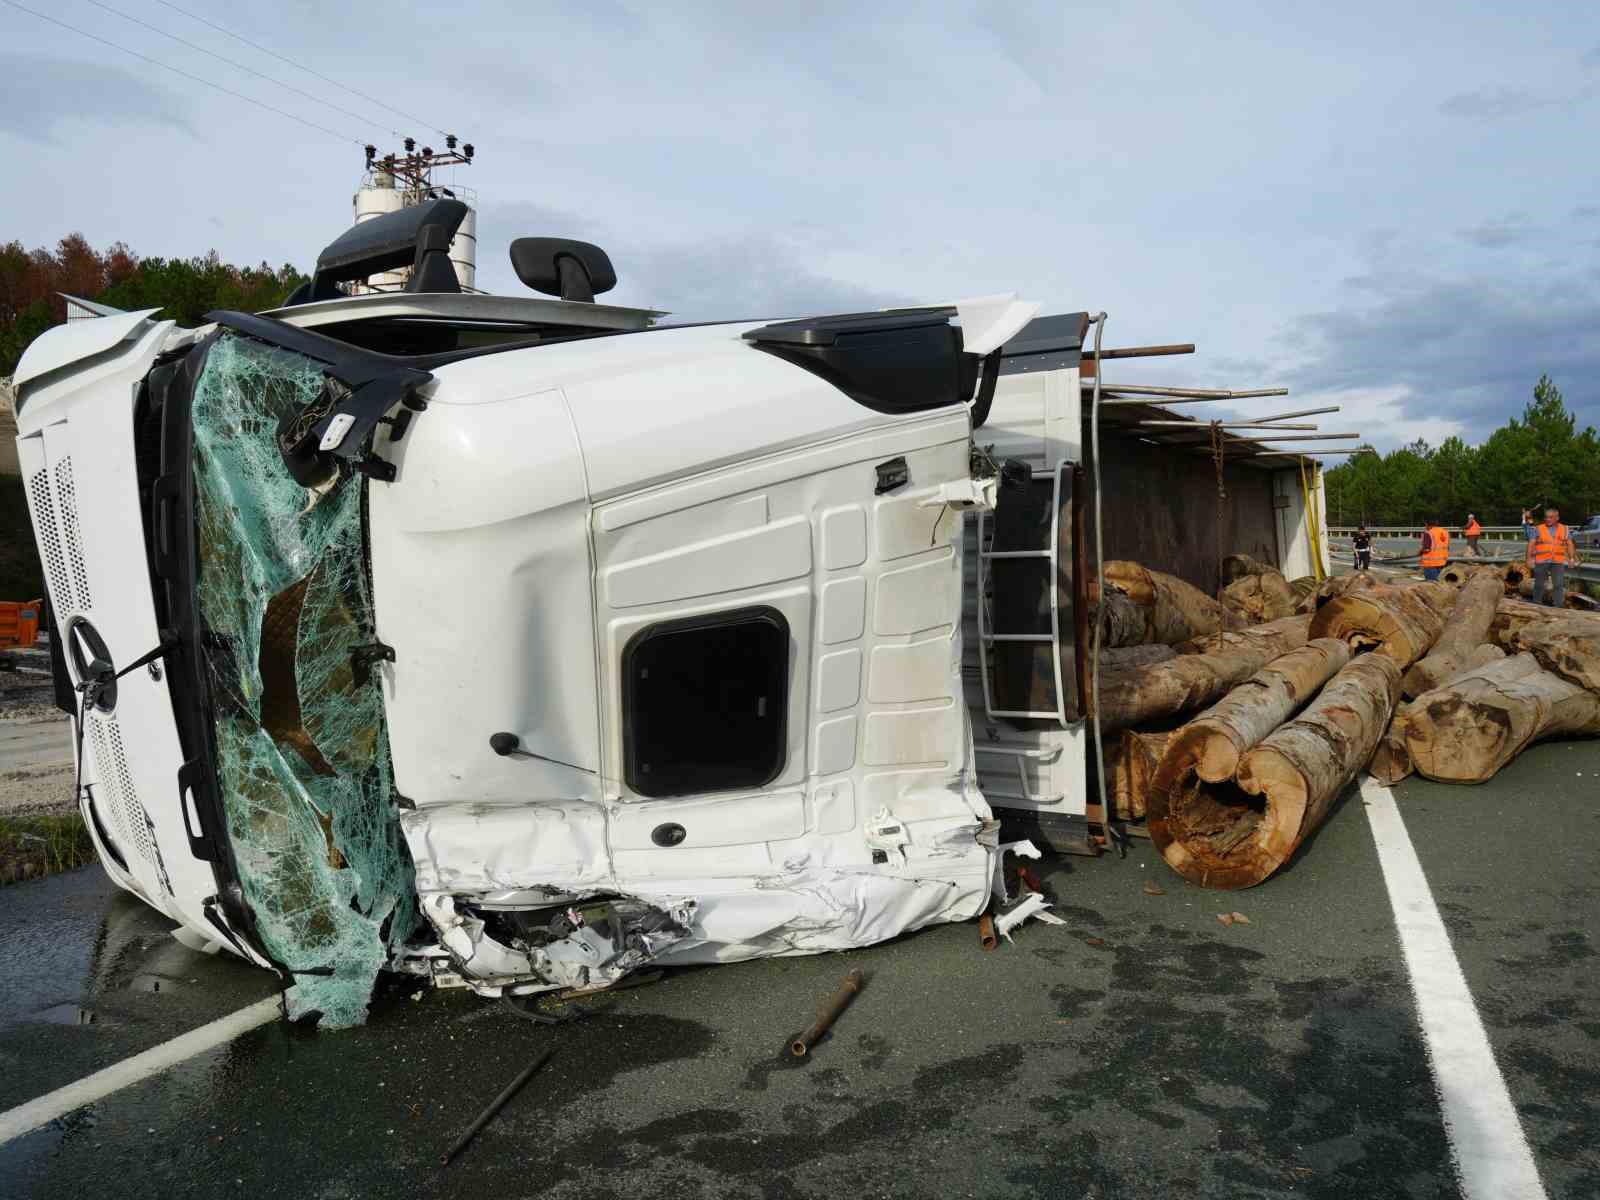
x=302, y=751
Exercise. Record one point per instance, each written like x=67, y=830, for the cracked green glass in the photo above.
x=302, y=752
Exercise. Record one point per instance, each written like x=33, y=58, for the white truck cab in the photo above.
x=517, y=641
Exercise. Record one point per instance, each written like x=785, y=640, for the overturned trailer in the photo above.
x=522, y=642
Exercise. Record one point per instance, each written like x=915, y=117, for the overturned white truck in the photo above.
x=522, y=642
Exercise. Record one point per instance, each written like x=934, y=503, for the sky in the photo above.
x=1392, y=208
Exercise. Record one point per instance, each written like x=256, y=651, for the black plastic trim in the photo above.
x=895, y=362
x=171, y=547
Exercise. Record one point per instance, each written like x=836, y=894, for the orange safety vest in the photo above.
x=1438, y=552
x=1548, y=547
x=1474, y=529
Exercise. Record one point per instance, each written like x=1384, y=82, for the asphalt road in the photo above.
x=1141, y=1050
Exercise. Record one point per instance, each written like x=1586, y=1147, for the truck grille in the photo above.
x=55, y=563
x=67, y=496
x=116, y=784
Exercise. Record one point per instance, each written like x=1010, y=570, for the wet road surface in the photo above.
x=1142, y=1050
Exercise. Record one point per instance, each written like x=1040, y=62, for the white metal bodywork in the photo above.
x=77, y=384
x=1037, y=418
x=567, y=506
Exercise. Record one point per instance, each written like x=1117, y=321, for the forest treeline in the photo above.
x=1537, y=459
x=185, y=289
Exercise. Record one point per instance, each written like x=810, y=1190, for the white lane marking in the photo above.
x=1486, y=1138
x=25, y=1118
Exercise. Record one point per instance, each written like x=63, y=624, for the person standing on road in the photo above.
x=1550, y=549
x=1527, y=525
x=1473, y=532
x=1362, y=541
x=1435, y=549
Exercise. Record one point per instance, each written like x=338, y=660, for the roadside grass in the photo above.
x=33, y=847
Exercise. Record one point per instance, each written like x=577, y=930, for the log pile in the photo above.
x=1237, y=745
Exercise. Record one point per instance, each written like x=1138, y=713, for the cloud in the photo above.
x=39, y=95
x=1456, y=354
x=1498, y=232
x=1494, y=102
x=1591, y=57
x=741, y=275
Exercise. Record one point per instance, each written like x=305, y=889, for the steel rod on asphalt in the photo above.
x=495, y=1106
x=1140, y=351
x=827, y=1013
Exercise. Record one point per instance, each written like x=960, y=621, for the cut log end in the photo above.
x=1223, y=834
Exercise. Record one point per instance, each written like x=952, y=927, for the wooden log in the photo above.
x=1238, y=566
x=1465, y=630
x=1401, y=623
x=1154, y=607
x=1302, y=587
x=1336, y=585
x=1565, y=642
x=1203, y=671
x=1131, y=760
x=1466, y=731
x=1257, y=598
x=1211, y=745
x=1122, y=658
x=1236, y=833
x=1391, y=761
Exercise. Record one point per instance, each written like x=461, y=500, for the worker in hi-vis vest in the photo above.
x=1435, y=549
x=1550, y=549
x=1472, y=533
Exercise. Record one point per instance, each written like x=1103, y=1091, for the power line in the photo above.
x=238, y=66
x=94, y=37
x=238, y=37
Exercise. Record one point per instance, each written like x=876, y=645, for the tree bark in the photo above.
x=1465, y=630
x=1142, y=606
x=1565, y=642
x=1131, y=760
x=1337, y=585
x=1237, y=566
x=1237, y=833
x=1391, y=761
x=1123, y=658
x=1212, y=744
x=1400, y=623
x=1465, y=732
x=1262, y=597
x=1203, y=671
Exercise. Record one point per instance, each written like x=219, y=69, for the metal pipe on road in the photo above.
x=828, y=1013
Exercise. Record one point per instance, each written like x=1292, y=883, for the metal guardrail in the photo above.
x=1587, y=572
x=1415, y=531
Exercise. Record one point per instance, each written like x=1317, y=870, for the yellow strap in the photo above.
x=1313, y=528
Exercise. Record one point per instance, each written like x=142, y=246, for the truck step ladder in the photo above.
x=989, y=636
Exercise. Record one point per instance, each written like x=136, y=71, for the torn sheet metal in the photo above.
x=475, y=863
x=1031, y=905
x=302, y=752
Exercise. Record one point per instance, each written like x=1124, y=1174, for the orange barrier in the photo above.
x=19, y=623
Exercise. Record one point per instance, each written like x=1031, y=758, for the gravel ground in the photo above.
x=25, y=696
x=35, y=793
x=29, y=789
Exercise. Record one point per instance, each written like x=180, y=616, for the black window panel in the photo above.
x=705, y=703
